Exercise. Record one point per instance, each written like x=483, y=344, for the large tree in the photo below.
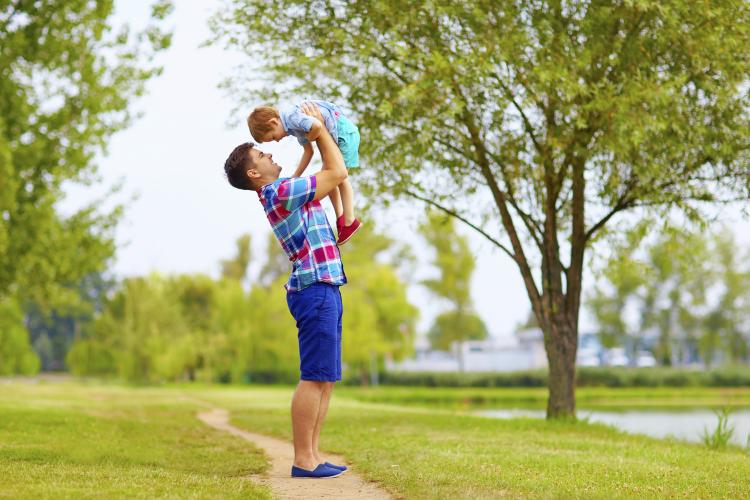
x=66, y=80
x=534, y=122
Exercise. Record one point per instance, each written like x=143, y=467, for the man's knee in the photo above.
x=316, y=385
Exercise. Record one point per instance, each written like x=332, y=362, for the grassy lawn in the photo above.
x=75, y=441
x=434, y=453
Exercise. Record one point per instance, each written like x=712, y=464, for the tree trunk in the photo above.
x=561, y=343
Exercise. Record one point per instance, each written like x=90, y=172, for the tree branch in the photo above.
x=502, y=205
x=622, y=204
x=455, y=214
x=527, y=123
x=531, y=224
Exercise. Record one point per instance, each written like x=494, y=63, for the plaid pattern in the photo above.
x=301, y=226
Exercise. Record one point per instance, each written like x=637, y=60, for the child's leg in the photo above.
x=335, y=197
x=347, y=200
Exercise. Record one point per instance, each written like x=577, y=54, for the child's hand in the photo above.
x=312, y=109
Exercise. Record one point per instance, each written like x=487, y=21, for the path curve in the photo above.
x=281, y=455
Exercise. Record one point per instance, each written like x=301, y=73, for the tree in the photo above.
x=535, y=123
x=53, y=331
x=456, y=326
x=455, y=263
x=16, y=355
x=66, y=80
x=65, y=84
x=379, y=320
x=236, y=267
x=667, y=281
x=276, y=265
x=726, y=327
x=192, y=327
x=676, y=293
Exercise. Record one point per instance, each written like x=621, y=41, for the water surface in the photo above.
x=687, y=425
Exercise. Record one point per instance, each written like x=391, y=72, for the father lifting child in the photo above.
x=267, y=124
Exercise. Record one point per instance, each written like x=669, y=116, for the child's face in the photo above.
x=277, y=132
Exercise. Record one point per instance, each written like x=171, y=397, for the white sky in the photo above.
x=186, y=216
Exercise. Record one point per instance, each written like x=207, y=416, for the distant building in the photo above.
x=592, y=353
x=523, y=351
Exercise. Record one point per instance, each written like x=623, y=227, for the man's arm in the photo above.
x=316, y=127
x=334, y=170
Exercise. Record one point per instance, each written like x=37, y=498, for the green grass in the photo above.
x=71, y=441
x=434, y=453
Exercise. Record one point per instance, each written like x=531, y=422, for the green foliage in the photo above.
x=668, y=280
x=16, y=355
x=722, y=433
x=276, y=265
x=455, y=326
x=585, y=377
x=604, y=398
x=66, y=79
x=455, y=263
x=536, y=123
x=453, y=259
x=378, y=318
x=647, y=94
x=192, y=327
x=236, y=268
x=90, y=357
x=52, y=332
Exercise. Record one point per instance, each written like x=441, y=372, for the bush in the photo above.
x=586, y=377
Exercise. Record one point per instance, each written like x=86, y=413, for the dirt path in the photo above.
x=281, y=455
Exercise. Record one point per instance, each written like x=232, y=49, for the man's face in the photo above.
x=263, y=167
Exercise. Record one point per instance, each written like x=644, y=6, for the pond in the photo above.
x=687, y=425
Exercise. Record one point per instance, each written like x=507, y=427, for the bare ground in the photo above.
x=281, y=456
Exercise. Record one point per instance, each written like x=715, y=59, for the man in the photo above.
x=293, y=208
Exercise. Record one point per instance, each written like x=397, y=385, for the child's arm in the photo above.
x=305, y=160
x=315, y=129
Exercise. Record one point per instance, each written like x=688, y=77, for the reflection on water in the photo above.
x=687, y=425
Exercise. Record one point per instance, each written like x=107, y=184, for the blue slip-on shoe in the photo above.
x=322, y=471
x=342, y=468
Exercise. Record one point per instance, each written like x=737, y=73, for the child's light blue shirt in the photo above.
x=298, y=124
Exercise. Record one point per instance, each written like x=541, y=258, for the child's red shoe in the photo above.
x=347, y=232
x=339, y=224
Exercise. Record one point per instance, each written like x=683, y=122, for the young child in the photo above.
x=269, y=124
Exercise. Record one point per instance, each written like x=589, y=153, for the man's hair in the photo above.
x=259, y=121
x=237, y=165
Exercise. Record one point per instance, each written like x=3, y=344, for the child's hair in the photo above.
x=259, y=121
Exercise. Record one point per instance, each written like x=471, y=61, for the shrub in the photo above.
x=586, y=377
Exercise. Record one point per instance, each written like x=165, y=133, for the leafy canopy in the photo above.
x=66, y=80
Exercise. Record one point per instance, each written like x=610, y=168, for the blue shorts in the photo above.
x=348, y=142
x=317, y=309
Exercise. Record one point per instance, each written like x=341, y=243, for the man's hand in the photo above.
x=312, y=109
x=333, y=171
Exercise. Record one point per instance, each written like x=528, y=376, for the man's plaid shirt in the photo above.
x=301, y=226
